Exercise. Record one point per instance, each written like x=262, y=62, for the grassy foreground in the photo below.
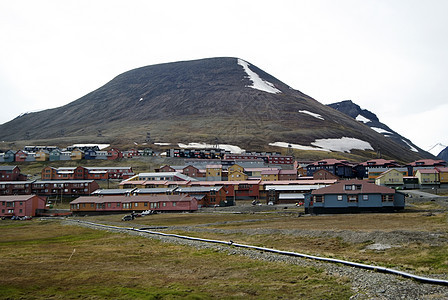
x=47, y=260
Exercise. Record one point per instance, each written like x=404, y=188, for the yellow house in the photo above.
x=390, y=177
x=427, y=176
x=443, y=175
x=42, y=155
x=270, y=175
x=213, y=172
x=236, y=167
x=236, y=175
x=76, y=154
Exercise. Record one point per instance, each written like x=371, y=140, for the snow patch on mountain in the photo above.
x=317, y=116
x=257, y=82
x=344, y=144
x=362, y=119
x=381, y=130
x=230, y=148
x=436, y=149
x=410, y=146
x=296, y=146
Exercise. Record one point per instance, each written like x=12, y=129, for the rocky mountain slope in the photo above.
x=215, y=101
x=370, y=119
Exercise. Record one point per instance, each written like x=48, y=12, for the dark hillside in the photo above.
x=208, y=100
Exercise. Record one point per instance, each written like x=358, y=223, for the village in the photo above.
x=210, y=178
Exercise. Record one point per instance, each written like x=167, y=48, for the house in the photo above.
x=42, y=155
x=340, y=168
x=287, y=174
x=114, y=154
x=90, y=154
x=425, y=164
x=194, y=172
x=374, y=173
x=11, y=173
x=15, y=187
x=22, y=205
x=213, y=172
x=76, y=154
x=129, y=203
x=443, y=175
x=31, y=156
x=101, y=155
x=270, y=175
x=64, y=187
x=362, y=169
x=206, y=195
x=20, y=155
x=9, y=156
x=291, y=193
x=353, y=196
x=391, y=178
x=323, y=174
x=427, y=178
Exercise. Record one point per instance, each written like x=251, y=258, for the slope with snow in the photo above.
x=317, y=116
x=344, y=144
x=362, y=119
x=436, y=149
x=257, y=82
x=230, y=148
x=381, y=130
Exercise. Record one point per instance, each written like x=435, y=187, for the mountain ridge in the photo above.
x=209, y=100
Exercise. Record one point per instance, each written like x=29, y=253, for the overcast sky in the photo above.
x=388, y=56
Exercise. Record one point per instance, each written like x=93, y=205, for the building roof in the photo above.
x=378, y=162
x=428, y=163
x=198, y=189
x=113, y=191
x=7, y=168
x=366, y=188
x=62, y=181
x=138, y=198
x=270, y=172
x=17, y=198
x=427, y=171
x=293, y=196
x=329, y=162
x=295, y=187
x=442, y=169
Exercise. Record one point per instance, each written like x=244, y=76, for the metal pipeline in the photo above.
x=288, y=253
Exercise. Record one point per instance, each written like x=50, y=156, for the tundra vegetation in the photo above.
x=47, y=259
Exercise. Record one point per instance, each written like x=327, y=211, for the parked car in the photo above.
x=127, y=218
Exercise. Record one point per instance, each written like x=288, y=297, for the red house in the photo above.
x=21, y=155
x=11, y=173
x=125, y=203
x=114, y=154
x=25, y=205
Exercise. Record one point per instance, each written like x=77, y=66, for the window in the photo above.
x=20, y=210
x=108, y=204
x=387, y=198
x=146, y=203
x=365, y=197
x=348, y=188
x=352, y=198
x=83, y=205
x=118, y=204
x=339, y=197
x=318, y=198
x=174, y=203
x=135, y=204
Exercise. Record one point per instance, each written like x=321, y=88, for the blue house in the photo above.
x=340, y=168
x=354, y=195
x=89, y=154
x=9, y=156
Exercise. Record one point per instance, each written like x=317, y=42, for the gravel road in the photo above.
x=365, y=284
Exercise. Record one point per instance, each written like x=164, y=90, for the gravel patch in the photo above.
x=366, y=284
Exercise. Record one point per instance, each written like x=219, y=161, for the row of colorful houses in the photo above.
x=71, y=188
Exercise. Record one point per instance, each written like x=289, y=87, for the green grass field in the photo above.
x=47, y=260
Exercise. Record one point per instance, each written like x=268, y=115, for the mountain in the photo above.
x=437, y=149
x=370, y=119
x=443, y=154
x=215, y=101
